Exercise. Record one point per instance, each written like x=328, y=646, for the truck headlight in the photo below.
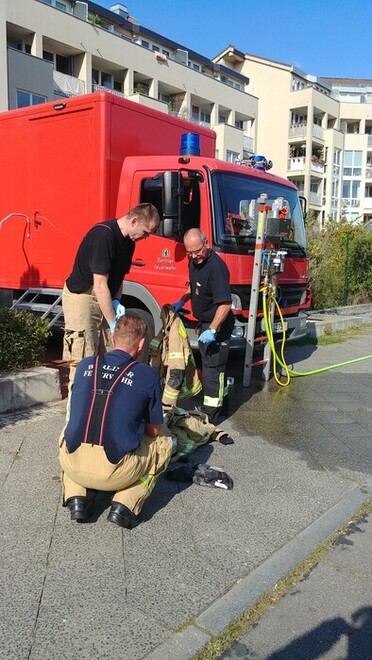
x=236, y=303
x=238, y=332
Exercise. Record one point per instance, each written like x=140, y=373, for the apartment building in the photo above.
x=355, y=99
x=56, y=48
x=318, y=132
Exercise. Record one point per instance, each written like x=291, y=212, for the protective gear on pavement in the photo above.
x=202, y=475
x=119, y=309
x=207, y=337
x=177, y=306
x=214, y=477
x=189, y=429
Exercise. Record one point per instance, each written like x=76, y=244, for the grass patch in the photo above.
x=343, y=335
x=220, y=643
x=336, y=337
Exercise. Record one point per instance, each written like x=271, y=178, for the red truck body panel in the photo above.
x=61, y=165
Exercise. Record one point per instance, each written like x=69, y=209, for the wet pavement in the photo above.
x=301, y=464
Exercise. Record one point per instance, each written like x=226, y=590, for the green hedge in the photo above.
x=340, y=263
x=23, y=338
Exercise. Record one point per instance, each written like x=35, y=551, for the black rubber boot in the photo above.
x=78, y=508
x=122, y=516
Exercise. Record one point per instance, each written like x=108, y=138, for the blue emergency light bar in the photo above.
x=190, y=144
x=260, y=163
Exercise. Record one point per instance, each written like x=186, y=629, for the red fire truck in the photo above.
x=68, y=165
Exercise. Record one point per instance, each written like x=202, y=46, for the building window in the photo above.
x=55, y=3
x=105, y=80
x=24, y=99
x=145, y=44
x=353, y=163
x=195, y=113
x=60, y=63
x=232, y=156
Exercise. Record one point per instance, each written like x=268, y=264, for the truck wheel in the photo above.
x=146, y=316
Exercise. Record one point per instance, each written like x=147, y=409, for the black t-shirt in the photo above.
x=103, y=250
x=210, y=287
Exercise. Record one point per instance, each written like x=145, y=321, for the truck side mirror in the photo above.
x=172, y=188
x=303, y=204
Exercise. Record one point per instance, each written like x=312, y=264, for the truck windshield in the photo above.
x=235, y=204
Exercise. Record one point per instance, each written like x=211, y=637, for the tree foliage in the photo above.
x=340, y=263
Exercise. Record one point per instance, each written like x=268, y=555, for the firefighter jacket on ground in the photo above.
x=172, y=357
x=189, y=429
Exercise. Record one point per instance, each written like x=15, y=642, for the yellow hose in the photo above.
x=268, y=299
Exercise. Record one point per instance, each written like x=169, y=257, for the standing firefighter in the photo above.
x=92, y=292
x=210, y=294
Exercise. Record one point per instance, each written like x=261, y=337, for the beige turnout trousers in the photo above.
x=132, y=479
x=86, y=331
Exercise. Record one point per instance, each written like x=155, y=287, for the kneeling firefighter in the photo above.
x=112, y=439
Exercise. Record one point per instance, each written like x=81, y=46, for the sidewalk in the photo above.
x=301, y=464
x=327, y=615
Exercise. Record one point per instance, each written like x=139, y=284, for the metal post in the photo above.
x=255, y=290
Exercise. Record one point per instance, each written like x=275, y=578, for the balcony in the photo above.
x=64, y=85
x=148, y=101
x=229, y=138
x=367, y=203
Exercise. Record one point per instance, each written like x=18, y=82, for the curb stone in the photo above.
x=23, y=389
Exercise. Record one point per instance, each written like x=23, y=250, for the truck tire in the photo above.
x=146, y=316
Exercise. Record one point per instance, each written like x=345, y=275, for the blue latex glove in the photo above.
x=119, y=309
x=177, y=306
x=112, y=325
x=207, y=337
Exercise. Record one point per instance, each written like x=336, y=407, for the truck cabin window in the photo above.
x=152, y=191
x=236, y=212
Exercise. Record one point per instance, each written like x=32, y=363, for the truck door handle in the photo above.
x=139, y=263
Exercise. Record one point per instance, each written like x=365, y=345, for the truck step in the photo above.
x=43, y=302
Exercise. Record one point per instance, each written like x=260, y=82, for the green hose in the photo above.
x=268, y=298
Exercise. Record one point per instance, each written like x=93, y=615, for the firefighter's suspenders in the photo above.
x=101, y=393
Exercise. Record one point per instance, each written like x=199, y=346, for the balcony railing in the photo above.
x=318, y=132
x=315, y=199
x=248, y=144
x=102, y=88
x=296, y=164
x=317, y=167
x=297, y=130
